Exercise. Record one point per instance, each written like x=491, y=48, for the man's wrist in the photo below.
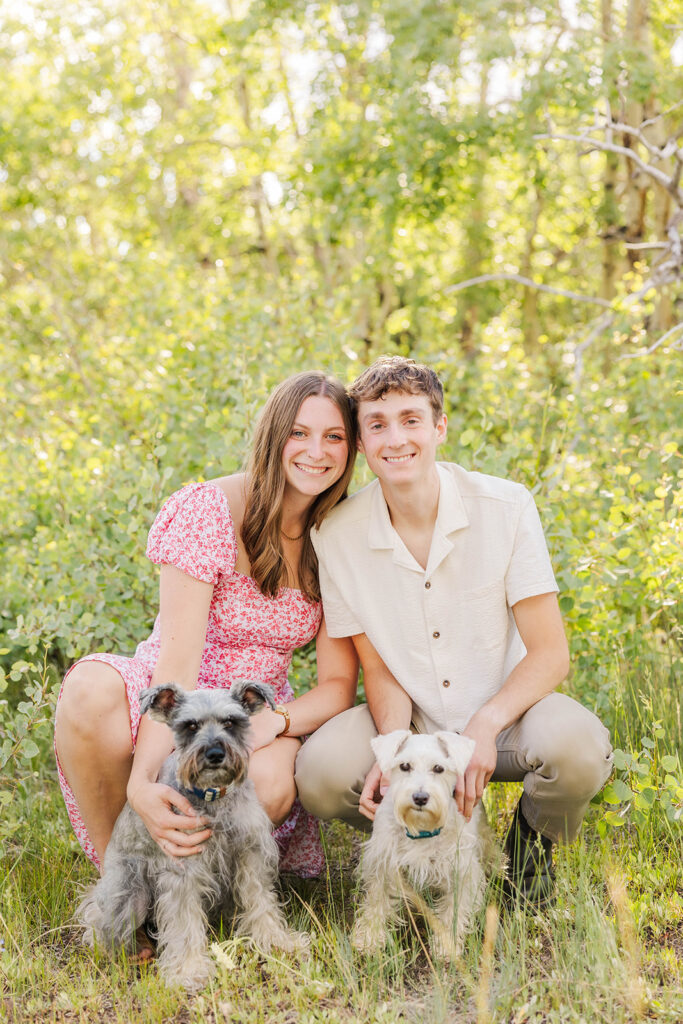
x=489, y=717
x=388, y=727
x=390, y=721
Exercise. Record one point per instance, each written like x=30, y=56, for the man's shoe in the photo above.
x=531, y=876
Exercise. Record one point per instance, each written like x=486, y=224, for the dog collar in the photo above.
x=422, y=834
x=210, y=794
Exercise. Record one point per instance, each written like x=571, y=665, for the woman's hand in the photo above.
x=180, y=835
x=264, y=727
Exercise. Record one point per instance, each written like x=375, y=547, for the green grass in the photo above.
x=596, y=956
x=610, y=950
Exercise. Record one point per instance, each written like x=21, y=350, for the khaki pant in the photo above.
x=558, y=748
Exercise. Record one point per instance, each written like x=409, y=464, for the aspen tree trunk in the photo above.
x=475, y=227
x=638, y=192
x=258, y=200
x=179, y=64
x=531, y=326
x=662, y=206
x=662, y=209
x=635, y=199
x=611, y=262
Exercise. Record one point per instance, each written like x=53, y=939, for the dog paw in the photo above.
x=367, y=938
x=444, y=946
x=88, y=938
x=194, y=974
x=292, y=942
x=283, y=939
x=443, y=950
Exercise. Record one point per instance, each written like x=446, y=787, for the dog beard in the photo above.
x=192, y=770
x=424, y=819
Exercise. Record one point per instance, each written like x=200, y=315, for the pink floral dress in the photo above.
x=249, y=636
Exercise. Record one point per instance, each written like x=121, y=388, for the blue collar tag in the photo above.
x=424, y=835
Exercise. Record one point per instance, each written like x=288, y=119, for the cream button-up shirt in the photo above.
x=446, y=632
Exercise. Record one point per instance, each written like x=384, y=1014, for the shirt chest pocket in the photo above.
x=481, y=617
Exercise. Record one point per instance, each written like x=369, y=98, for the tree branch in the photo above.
x=528, y=283
x=661, y=152
x=660, y=341
x=611, y=147
x=663, y=113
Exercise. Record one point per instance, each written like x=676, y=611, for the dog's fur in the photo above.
x=237, y=869
x=423, y=770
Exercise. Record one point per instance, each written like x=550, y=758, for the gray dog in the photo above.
x=238, y=867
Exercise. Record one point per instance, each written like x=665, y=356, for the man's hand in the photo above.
x=374, y=789
x=471, y=785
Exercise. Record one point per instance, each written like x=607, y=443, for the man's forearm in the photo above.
x=540, y=671
x=390, y=706
x=536, y=675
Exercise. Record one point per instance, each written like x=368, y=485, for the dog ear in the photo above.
x=161, y=701
x=385, y=748
x=458, y=750
x=252, y=696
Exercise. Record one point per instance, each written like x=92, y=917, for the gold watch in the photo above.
x=281, y=709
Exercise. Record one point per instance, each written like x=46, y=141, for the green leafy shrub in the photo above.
x=28, y=695
x=647, y=785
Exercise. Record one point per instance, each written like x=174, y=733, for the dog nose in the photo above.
x=214, y=755
x=420, y=798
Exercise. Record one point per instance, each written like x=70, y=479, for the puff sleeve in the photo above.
x=194, y=532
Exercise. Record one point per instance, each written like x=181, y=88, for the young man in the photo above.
x=442, y=578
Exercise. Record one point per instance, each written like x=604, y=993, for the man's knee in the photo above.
x=574, y=748
x=321, y=779
x=321, y=793
x=332, y=764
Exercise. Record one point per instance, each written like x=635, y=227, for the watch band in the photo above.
x=281, y=709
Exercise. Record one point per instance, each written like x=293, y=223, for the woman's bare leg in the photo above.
x=271, y=769
x=94, y=746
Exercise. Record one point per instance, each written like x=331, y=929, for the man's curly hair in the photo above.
x=397, y=373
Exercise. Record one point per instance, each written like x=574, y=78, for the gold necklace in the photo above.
x=291, y=538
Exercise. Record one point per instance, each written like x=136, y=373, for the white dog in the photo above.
x=419, y=837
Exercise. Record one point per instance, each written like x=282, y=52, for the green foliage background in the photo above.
x=199, y=199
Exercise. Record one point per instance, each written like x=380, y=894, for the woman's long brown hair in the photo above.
x=262, y=520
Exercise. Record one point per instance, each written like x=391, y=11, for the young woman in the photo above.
x=239, y=592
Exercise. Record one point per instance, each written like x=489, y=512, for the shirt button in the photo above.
x=446, y=683
x=436, y=634
x=427, y=585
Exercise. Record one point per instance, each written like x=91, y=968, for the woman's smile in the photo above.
x=316, y=451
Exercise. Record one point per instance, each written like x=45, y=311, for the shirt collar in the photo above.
x=451, y=516
x=381, y=533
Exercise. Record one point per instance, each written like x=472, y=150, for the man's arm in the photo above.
x=540, y=671
x=390, y=707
